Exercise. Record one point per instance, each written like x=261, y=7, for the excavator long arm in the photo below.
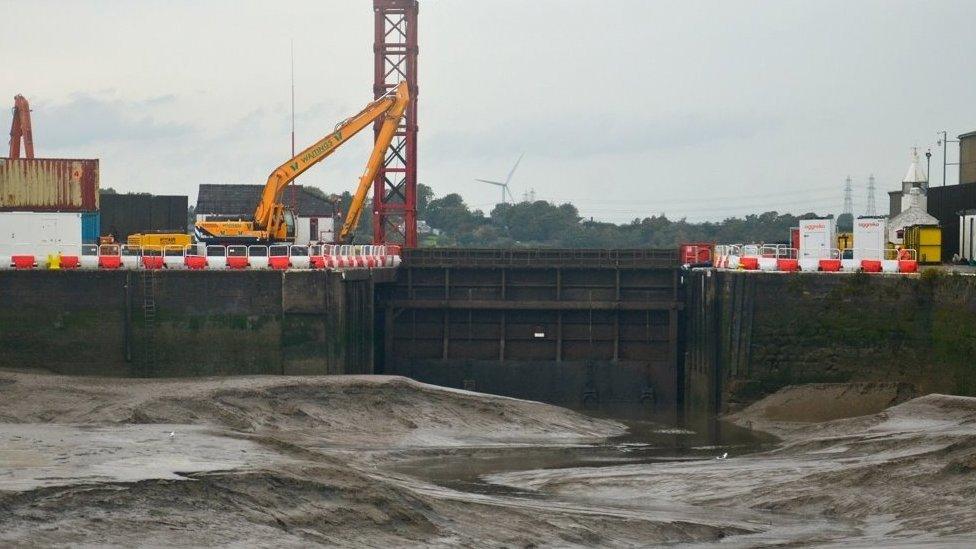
x=387, y=130
x=20, y=128
x=269, y=216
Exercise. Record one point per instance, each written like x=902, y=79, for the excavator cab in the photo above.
x=288, y=217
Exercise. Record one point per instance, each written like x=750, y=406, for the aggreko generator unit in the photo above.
x=870, y=237
x=817, y=238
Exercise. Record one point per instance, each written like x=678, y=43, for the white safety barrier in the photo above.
x=782, y=258
x=809, y=264
x=299, y=257
x=216, y=257
x=727, y=256
x=89, y=256
x=174, y=257
x=132, y=256
x=201, y=257
x=847, y=261
x=257, y=256
x=889, y=259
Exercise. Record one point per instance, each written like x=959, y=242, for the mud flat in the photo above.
x=273, y=461
x=904, y=475
x=369, y=461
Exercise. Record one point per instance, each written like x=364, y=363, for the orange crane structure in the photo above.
x=395, y=49
x=20, y=129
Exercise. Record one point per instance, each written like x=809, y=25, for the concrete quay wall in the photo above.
x=183, y=323
x=749, y=334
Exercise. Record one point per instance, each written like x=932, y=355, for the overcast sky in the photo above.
x=626, y=108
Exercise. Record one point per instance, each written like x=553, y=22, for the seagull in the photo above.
x=172, y=435
x=723, y=456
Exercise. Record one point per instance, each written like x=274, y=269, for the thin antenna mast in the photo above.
x=872, y=209
x=294, y=191
x=293, y=97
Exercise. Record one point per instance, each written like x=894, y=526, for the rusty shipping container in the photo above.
x=48, y=185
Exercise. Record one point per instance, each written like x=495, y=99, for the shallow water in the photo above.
x=646, y=441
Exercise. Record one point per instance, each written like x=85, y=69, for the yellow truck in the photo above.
x=158, y=241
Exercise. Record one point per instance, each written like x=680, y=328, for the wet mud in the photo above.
x=374, y=461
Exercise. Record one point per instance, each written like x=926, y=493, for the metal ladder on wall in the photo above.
x=149, y=318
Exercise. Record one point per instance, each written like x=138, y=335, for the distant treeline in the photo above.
x=547, y=225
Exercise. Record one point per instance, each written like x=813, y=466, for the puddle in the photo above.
x=646, y=441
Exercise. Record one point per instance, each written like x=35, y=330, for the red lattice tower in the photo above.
x=395, y=187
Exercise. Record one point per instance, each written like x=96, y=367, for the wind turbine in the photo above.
x=504, y=186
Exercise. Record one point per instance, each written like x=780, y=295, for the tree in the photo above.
x=364, y=228
x=424, y=195
x=449, y=213
x=316, y=192
x=538, y=221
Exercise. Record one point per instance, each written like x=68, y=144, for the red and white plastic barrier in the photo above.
x=784, y=259
x=198, y=257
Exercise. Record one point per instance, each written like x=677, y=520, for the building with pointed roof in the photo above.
x=914, y=214
x=915, y=178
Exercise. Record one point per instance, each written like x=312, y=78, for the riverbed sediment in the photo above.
x=367, y=461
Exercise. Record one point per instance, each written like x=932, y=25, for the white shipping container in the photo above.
x=314, y=229
x=967, y=236
x=870, y=237
x=817, y=238
x=40, y=233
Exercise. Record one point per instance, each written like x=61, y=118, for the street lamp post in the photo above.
x=944, y=143
x=928, y=168
x=944, y=198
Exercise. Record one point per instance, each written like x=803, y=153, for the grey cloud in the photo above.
x=585, y=136
x=166, y=99
x=87, y=119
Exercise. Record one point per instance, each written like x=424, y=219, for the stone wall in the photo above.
x=182, y=323
x=749, y=334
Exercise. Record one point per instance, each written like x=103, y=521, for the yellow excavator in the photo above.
x=269, y=223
